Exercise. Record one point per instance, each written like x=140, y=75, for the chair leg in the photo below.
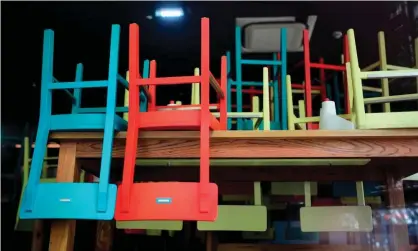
x=129, y=164
x=105, y=168
x=204, y=165
x=107, y=149
x=110, y=121
x=238, y=69
x=283, y=69
x=36, y=166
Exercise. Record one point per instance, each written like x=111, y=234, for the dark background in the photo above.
x=82, y=34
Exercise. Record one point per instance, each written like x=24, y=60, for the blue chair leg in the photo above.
x=43, y=126
x=283, y=50
x=77, y=92
x=110, y=121
x=276, y=103
x=238, y=65
x=330, y=95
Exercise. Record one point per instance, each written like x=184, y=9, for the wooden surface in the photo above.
x=258, y=144
x=298, y=134
x=63, y=231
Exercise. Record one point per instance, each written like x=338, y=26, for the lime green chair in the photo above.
x=386, y=119
x=336, y=218
x=239, y=217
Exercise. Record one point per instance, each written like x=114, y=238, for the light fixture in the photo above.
x=169, y=12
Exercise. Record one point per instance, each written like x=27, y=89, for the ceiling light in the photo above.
x=169, y=12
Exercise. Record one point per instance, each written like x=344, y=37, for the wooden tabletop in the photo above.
x=257, y=144
x=298, y=134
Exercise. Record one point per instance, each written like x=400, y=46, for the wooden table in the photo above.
x=393, y=154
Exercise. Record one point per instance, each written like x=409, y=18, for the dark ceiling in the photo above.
x=82, y=34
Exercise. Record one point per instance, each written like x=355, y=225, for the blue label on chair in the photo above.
x=163, y=200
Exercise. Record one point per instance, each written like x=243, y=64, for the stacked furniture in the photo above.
x=202, y=134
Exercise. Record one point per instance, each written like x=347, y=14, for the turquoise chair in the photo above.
x=276, y=124
x=247, y=123
x=75, y=200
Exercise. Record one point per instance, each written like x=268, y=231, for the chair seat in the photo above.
x=262, y=34
x=336, y=219
x=69, y=201
x=237, y=218
x=27, y=225
x=168, y=201
x=86, y=121
x=265, y=37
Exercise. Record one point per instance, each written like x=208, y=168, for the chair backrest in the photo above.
x=239, y=217
x=336, y=218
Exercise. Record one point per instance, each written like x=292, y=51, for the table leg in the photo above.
x=211, y=241
x=104, y=235
x=37, y=235
x=209, y=246
x=63, y=231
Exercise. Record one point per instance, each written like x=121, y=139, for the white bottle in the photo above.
x=329, y=120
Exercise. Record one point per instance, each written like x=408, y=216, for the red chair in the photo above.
x=308, y=65
x=195, y=201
